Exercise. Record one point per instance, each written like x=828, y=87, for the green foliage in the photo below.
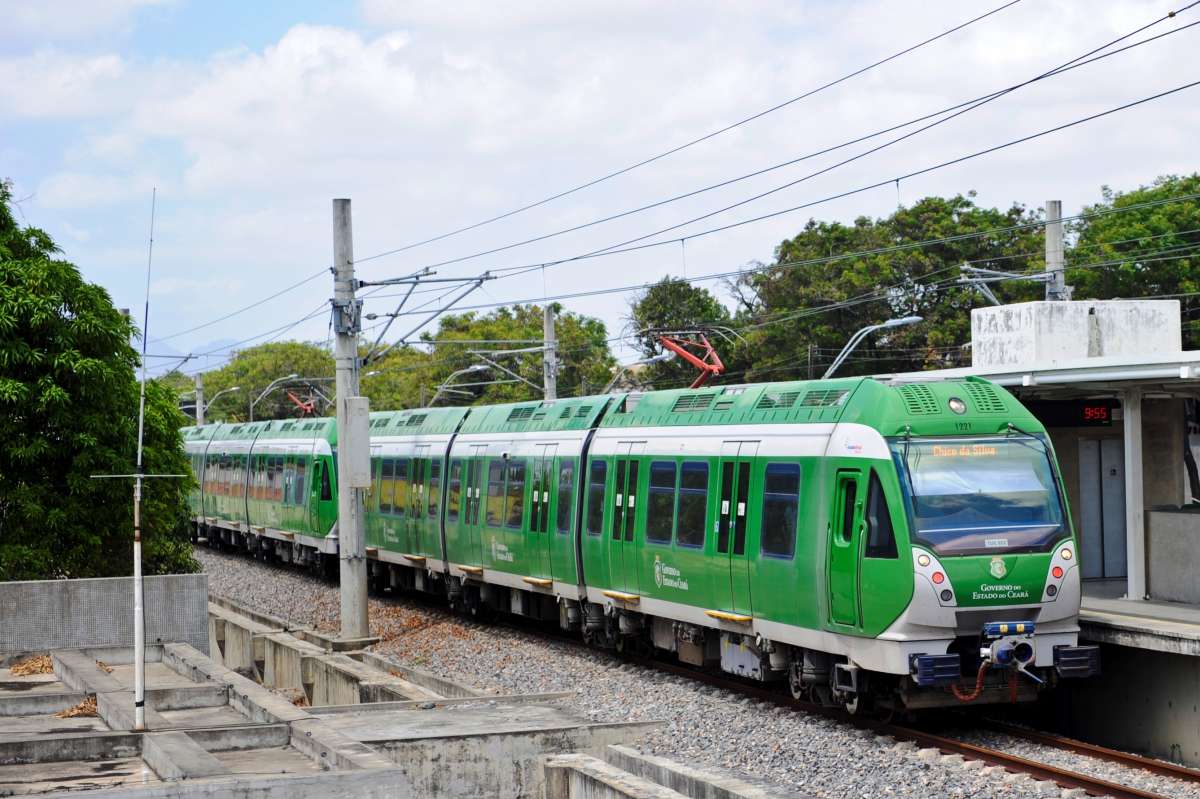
x=253, y=369
x=788, y=340
x=1140, y=249
x=408, y=375
x=68, y=411
x=673, y=304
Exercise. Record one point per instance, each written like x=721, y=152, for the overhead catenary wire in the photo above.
x=946, y=114
x=691, y=143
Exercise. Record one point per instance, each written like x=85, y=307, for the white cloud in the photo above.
x=53, y=84
x=442, y=114
x=67, y=19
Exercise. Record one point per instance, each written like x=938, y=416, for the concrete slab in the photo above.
x=202, y=717
x=276, y=760
x=158, y=675
x=175, y=756
x=75, y=775
x=432, y=682
x=1141, y=624
x=694, y=782
x=21, y=728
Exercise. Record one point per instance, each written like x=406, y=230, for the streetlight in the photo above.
x=857, y=338
x=201, y=411
x=445, y=386
x=267, y=391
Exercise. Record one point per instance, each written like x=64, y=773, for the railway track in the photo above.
x=948, y=745
x=1093, y=786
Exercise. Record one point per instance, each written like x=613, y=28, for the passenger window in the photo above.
x=435, y=486
x=881, y=538
x=781, y=507
x=400, y=492
x=660, y=506
x=455, y=497
x=301, y=485
x=515, y=504
x=595, y=513
x=566, y=493
x=495, y=493
x=693, y=504
x=386, y=490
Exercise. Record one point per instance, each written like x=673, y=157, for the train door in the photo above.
x=845, y=532
x=733, y=581
x=622, y=554
x=541, y=518
x=415, y=512
x=476, y=476
x=323, y=508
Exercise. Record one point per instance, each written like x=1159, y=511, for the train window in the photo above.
x=881, y=538
x=693, y=504
x=301, y=481
x=595, y=513
x=326, y=488
x=849, y=498
x=278, y=461
x=455, y=497
x=400, y=492
x=743, y=496
x=566, y=486
x=514, y=506
x=781, y=506
x=495, y=493
x=618, y=517
x=660, y=505
x=724, y=511
x=435, y=487
x=386, y=491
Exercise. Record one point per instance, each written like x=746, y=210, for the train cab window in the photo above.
x=566, y=491
x=693, y=504
x=435, y=487
x=849, y=498
x=881, y=538
x=595, y=512
x=781, y=506
x=495, y=493
x=387, y=474
x=514, y=506
x=455, y=497
x=400, y=491
x=660, y=506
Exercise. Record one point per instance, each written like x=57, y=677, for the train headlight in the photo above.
x=1065, y=553
x=923, y=560
x=957, y=405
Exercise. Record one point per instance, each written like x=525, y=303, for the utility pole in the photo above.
x=1056, y=286
x=199, y=399
x=354, y=452
x=549, y=354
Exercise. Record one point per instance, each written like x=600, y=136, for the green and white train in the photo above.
x=901, y=544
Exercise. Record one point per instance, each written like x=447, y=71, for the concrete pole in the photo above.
x=200, y=399
x=1135, y=533
x=549, y=354
x=1056, y=288
x=347, y=321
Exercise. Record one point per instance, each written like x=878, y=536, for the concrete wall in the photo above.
x=1045, y=333
x=1174, y=551
x=73, y=614
x=1144, y=701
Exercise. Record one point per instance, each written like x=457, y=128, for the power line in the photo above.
x=255, y=304
x=693, y=142
x=958, y=110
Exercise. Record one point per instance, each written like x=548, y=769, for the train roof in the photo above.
x=576, y=413
x=417, y=421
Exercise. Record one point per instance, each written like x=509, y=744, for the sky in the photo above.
x=247, y=119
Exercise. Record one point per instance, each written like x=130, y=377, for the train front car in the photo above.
x=993, y=613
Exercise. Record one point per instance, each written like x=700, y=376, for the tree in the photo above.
x=798, y=312
x=68, y=411
x=253, y=369
x=673, y=304
x=1144, y=251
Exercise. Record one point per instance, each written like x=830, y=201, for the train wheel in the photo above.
x=795, y=683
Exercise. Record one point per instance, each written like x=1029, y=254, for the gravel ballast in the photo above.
x=703, y=726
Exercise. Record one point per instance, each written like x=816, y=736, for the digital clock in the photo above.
x=1074, y=413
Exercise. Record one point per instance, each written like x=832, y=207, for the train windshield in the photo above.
x=981, y=495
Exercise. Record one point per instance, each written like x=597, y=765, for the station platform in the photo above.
x=1105, y=616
